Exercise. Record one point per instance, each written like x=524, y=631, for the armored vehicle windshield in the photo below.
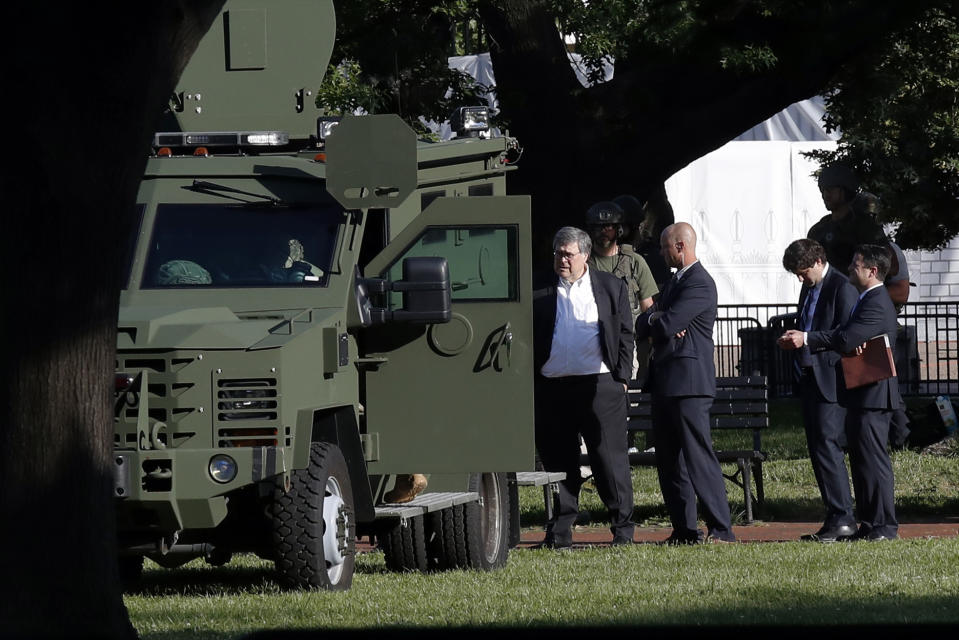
x=250, y=245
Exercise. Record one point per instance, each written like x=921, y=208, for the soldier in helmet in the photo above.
x=648, y=221
x=842, y=229
x=605, y=222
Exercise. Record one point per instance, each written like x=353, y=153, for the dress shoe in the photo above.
x=676, y=540
x=831, y=534
x=872, y=536
x=715, y=540
x=552, y=545
x=620, y=541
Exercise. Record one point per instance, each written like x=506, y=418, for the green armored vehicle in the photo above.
x=313, y=310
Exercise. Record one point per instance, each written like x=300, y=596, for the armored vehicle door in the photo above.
x=457, y=396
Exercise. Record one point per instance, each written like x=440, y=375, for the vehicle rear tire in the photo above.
x=487, y=522
x=405, y=546
x=446, y=539
x=314, y=529
x=474, y=535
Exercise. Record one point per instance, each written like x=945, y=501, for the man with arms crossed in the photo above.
x=682, y=379
x=825, y=302
x=869, y=408
x=583, y=359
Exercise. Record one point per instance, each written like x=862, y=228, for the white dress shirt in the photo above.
x=576, y=350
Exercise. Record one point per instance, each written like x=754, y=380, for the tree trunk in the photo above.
x=83, y=91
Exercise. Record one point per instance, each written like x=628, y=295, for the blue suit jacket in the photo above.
x=683, y=366
x=615, y=321
x=873, y=316
x=835, y=303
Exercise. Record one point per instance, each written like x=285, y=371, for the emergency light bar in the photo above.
x=221, y=139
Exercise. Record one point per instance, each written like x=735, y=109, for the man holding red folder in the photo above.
x=869, y=407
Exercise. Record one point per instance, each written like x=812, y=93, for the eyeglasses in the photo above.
x=562, y=255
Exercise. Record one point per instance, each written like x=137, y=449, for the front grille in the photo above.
x=164, y=389
x=247, y=412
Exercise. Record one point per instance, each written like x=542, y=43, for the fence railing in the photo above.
x=927, y=345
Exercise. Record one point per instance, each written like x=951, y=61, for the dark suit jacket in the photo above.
x=683, y=366
x=873, y=316
x=836, y=301
x=615, y=321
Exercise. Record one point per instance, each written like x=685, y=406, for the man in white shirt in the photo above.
x=583, y=357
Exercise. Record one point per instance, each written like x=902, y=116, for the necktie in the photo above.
x=806, y=317
x=803, y=358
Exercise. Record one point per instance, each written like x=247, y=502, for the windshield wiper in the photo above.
x=202, y=186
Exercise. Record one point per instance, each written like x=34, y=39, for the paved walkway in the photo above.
x=947, y=527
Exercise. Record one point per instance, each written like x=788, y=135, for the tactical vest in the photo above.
x=626, y=267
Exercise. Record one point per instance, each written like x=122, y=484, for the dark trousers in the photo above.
x=593, y=406
x=899, y=425
x=688, y=468
x=825, y=426
x=868, y=431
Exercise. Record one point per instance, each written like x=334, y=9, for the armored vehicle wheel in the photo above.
x=131, y=570
x=473, y=535
x=487, y=522
x=404, y=545
x=314, y=531
x=446, y=539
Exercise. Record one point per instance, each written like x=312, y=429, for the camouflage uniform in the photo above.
x=631, y=267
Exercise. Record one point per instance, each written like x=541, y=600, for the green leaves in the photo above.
x=899, y=115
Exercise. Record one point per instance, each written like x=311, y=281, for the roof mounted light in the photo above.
x=470, y=121
x=221, y=139
x=265, y=138
x=325, y=126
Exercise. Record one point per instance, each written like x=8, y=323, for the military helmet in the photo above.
x=867, y=204
x=605, y=212
x=182, y=272
x=838, y=175
x=632, y=208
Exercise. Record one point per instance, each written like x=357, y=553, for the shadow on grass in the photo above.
x=810, y=509
x=206, y=581
x=809, y=617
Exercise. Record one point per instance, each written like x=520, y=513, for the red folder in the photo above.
x=875, y=363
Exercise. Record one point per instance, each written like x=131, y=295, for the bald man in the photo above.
x=682, y=380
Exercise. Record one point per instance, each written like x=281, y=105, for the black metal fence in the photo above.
x=927, y=345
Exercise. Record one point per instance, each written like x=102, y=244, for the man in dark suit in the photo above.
x=682, y=379
x=825, y=302
x=583, y=358
x=869, y=408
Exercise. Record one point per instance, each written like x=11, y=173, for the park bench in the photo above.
x=741, y=403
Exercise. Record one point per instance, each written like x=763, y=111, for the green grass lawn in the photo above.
x=898, y=582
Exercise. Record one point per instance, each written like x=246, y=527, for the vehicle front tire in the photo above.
x=314, y=528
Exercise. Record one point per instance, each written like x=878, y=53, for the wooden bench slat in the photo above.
x=715, y=422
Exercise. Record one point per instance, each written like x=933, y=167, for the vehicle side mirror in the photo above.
x=426, y=291
x=426, y=294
